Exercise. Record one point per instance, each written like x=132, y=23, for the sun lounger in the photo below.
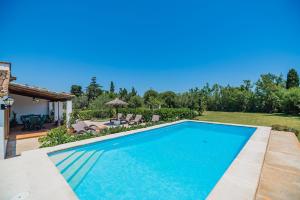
x=136, y=120
x=155, y=118
x=118, y=118
x=127, y=119
x=81, y=127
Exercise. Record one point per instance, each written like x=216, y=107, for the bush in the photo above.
x=60, y=135
x=166, y=114
x=90, y=114
x=56, y=136
x=285, y=128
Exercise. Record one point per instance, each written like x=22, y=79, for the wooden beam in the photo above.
x=38, y=93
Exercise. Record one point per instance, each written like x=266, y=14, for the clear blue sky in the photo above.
x=165, y=45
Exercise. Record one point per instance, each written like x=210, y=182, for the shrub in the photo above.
x=60, y=135
x=90, y=114
x=278, y=127
x=166, y=114
x=56, y=136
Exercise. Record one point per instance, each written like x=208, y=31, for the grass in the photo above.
x=260, y=119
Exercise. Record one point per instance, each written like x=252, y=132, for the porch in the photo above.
x=35, y=111
x=20, y=140
x=28, y=112
x=18, y=133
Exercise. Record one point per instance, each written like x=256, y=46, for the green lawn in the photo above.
x=260, y=119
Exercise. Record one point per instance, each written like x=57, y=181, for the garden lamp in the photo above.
x=8, y=102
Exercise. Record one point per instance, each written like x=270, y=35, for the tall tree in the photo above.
x=76, y=90
x=93, y=90
x=292, y=79
x=148, y=94
x=135, y=102
x=133, y=92
x=169, y=99
x=80, y=102
x=123, y=94
x=268, y=92
x=247, y=85
x=112, y=87
x=151, y=99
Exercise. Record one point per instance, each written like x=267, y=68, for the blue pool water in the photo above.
x=182, y=162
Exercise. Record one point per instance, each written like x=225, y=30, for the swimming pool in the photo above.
x=181, y=161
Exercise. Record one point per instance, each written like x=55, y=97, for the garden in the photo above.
x=271, y=101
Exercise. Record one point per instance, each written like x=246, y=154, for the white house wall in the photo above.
x=58, y=110
x=24, y=105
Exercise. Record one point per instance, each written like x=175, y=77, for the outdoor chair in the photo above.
x=127, y=119
x=136, y=120
x=81, y=127
x=43, y=120
x=34, y=122
x=118, y=118
x=25, y=122
x=155, y=118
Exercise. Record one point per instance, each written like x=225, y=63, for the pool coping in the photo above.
x=240, y=180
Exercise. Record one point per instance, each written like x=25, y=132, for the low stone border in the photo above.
x=240, y=181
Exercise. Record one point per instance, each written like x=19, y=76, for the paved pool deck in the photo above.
x=280, y=178
x=249, y=177
x=16, y=147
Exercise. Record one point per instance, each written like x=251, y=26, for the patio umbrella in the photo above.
x=116, y=103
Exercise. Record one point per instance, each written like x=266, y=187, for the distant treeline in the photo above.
x=271, y=93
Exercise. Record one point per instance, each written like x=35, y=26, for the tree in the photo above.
x=93, y=90
x=123, y=94
x=149, y=94
x=247, y=85
x=269, y=93
x=133, y=92
x=194, y=99
x=214, y=102
x=80, y=102
x=112, y=87
x=99, y=102
x=76, y=90
x=292, y=79
x=169, y=99
x=291, y=101
x=135, y=102
x=154, y=102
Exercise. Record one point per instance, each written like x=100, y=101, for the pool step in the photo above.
x=58, y=158
x=73, y=167
x=62, y=166
x=77, y=177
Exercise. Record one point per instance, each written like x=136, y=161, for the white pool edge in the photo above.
x=240, y=180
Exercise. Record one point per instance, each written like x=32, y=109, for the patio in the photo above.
x=18, y=133
x=24, y=140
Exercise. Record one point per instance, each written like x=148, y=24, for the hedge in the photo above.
x=164, y=113
x=91, y=114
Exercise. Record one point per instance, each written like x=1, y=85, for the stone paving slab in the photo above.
x=16, y=147
x=280, y=178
